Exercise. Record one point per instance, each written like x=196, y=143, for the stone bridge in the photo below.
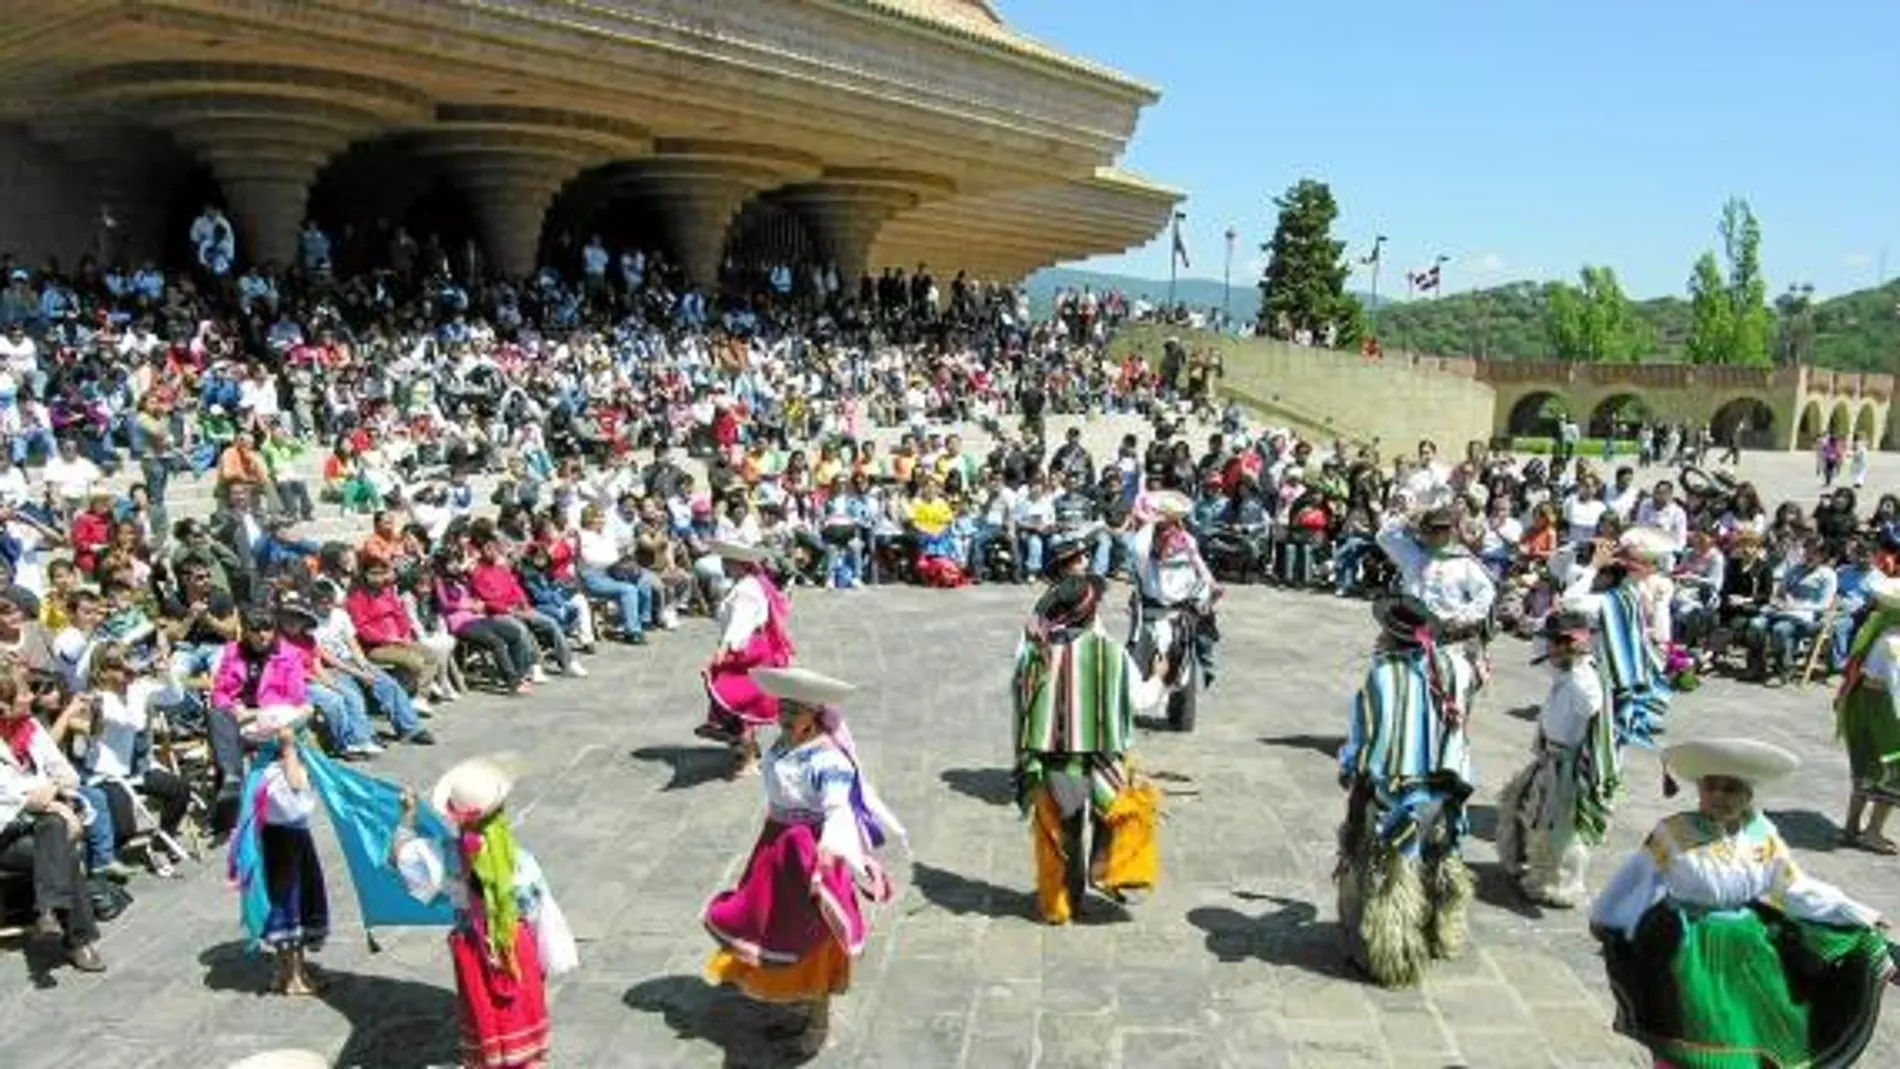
x=1776, y=408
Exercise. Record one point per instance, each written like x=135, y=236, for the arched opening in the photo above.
x=1810, y=427
x=1866, y=424
x=1619, y=416
x=375, y=186
x=198, y=188
x=1535, y=415
x=1748, y=421
x=1841, y=420
x=606, y=206
x=766, y=234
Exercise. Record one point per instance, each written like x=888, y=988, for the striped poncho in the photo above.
x=1633, y=669
x=1074, y=710
x=1402, y=743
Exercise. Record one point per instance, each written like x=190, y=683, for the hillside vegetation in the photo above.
x=1858, y=331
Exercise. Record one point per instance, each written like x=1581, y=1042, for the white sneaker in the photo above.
x=669, y=618
x=539, y=675
x=576, y=669
x=422, y=705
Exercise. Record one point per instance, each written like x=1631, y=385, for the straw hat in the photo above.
x=1748, y=760
x=283, y=1059
x=272, y=720
x=739, y=551
x=1171, y=503
x=1645, y=545
x=802, y=686
x=471, y=790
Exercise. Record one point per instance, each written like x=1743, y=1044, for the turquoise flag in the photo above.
x=366, y=812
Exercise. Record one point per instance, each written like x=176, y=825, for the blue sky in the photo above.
x=1521, y=138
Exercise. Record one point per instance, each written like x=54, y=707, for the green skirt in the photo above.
x=1871, y=730
x=1747, y=988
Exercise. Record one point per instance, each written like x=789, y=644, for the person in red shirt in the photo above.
x=92, y=531
x=388, y=633
x=493, y=581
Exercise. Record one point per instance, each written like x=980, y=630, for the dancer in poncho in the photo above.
x=1558, y=807
x=1869, y=723
x=1076, y=692
x=753, y=616
x=790, y=930
x=1403, y=886
x=509, y=934
x=1721, y=952
x=1627, y=599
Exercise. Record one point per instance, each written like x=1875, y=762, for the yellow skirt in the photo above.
x=824, y=972
x=1130, y=862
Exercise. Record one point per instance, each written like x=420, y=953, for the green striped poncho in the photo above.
x=1074, y=711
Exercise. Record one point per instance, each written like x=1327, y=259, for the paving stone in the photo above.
x=1234, y=961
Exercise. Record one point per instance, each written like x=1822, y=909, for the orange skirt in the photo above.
x=823, y=972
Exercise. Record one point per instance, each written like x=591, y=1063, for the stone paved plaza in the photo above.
x=1234, y=962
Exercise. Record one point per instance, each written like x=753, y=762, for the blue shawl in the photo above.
x=365, y=813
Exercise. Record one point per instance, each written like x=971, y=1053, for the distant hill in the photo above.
x=1857, y=331
x=1193, y=292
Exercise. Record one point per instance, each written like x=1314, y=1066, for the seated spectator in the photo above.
x=506, y=641
x=598, y=555
x=1804, y=589
x=390, y=636
x=339, y=703
x=41, y=825
x=119, y=757
x=492, y=578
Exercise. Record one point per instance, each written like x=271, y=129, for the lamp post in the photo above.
x=1174, y=256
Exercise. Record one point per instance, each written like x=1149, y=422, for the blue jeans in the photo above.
x=1346, y=562
x=843, y=563
x=1841, y=639
x=1101, y=556
x=101, y=840
x=1030, y=547
x=980, y=540
x=24, y=441
x=635, y=599
x=389, y=696
x=1772, y=639
x=344, y=713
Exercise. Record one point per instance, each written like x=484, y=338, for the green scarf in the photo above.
x=492, y=865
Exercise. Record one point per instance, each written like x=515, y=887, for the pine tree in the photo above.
x=1304, y=285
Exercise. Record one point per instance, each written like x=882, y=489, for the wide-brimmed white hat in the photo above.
x=283, y=1059
x=272, y=719
x=1885, y=591
x=1751, y=761
x=471, y=790
x=740, y=551
x=1170, y=503
x=802, y=686
x=1645, y=545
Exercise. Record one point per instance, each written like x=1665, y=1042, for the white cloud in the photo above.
x=1858, y=259
x=1489, y=263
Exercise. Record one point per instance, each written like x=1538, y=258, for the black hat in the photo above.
x=1567, y=624
x=1442, y=518
x=293, y=603
x=1071, y=602
x=1406, y=619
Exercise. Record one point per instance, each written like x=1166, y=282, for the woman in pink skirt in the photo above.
x=752, y=634
x=790, y=930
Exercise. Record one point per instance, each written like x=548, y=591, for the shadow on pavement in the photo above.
x=690, y=765
x=1805, y=829
x=963, y=896
x=394, y=1024
x=752, y=1034
x=1524, y=712
x=991, y=786
x=1481, y=822
x=1321, y=744
x=1291, y=935
x=1495, y=887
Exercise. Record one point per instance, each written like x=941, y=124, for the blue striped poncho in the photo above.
x=1634, y=677
x=1404, y=745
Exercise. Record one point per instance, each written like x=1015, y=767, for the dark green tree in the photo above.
x=1594, y=322
x=1304, y=285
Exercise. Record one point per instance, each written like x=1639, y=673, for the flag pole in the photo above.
x=1227, y=282
x=1438, y=276
x=1174, y=256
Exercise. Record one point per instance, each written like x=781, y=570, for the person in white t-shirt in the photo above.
x=1662, y=512
x=13, y=489
x=69, y=477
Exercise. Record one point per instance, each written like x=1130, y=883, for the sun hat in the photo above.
x=1749, y=760
x=802, y=686
x=739, y=551
x=1170, y=503
x=1644, y=545
x=271, y=720
x=471, y=790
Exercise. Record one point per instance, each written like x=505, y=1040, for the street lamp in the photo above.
x=1227, y=280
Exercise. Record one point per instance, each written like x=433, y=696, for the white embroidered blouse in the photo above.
x=741, y=613
x=811, y=784
x=1689, y=859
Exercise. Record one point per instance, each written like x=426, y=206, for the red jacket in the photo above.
x=498, y=588
x=91, y=532
x=380, y=619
